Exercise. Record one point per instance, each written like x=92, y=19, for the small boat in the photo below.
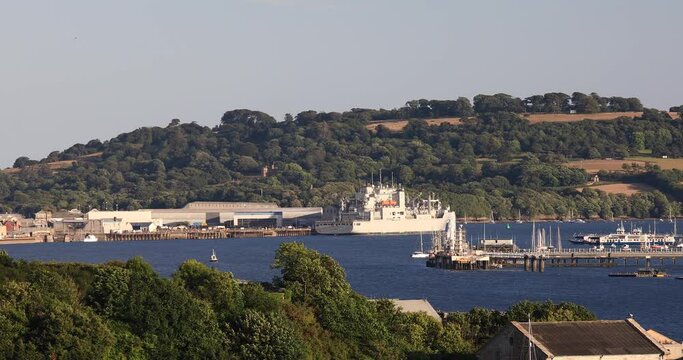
x=641, y=273
x=213, y=257
x=420, y=254
x=679, y=278
x=90, y=238
x=519, y=217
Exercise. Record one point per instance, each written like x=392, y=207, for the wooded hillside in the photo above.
x=494, y=161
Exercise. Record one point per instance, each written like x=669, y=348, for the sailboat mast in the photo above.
x=533, y=235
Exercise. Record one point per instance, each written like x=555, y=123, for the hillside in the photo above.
x=495, y=161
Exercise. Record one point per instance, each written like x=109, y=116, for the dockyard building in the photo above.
x=238, y=214
x=612, y=339
x=200, y=214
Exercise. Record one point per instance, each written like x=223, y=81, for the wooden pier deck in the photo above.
x=539, y=260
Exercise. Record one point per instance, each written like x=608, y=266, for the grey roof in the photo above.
x=415, y=306
x=606, y=337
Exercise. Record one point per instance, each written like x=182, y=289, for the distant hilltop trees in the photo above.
x=555, y=102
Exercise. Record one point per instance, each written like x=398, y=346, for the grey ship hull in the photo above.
x=382, y=227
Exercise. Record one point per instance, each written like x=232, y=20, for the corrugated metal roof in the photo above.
x=614, y=337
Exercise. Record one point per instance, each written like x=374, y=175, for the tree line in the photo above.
x=553, y=102
x=126, y=311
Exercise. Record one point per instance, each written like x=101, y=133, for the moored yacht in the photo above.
x=622, y=237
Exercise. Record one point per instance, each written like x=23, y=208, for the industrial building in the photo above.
x=199, y=214
x=238, y=214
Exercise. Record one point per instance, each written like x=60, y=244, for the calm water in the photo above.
x=382, y=267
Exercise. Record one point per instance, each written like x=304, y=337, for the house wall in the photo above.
x=509, y=344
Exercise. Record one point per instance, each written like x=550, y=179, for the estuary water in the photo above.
x=381, y=266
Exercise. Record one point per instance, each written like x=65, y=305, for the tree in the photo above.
x=267, y=336
x=23, y=161
x=308, y=274
x=584, y=104
x=218, y=288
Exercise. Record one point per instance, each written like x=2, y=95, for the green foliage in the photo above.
x=128, y=312
x=217, y=288
x=309, y=275
x=267, y=336
x=548, y=311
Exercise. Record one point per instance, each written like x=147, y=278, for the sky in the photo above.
x=76, y=70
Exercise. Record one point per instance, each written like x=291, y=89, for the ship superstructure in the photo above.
x=385, y=209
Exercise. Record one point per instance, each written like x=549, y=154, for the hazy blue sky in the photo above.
x=74, y=70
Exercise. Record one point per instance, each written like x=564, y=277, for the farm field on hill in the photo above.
x=592, y=166
x=398, y=125
x=55, y=165
x=666, y=164
x=622, y=188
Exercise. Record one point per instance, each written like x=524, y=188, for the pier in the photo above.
x=184, y=234
x=537, y=261
x=204, y=234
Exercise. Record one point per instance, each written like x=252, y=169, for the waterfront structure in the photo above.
x=451, y=251
x=238, y=214
x=3, y=231
x=200, y=214
x=497, y=245
x=384, y=209
x=610, y=339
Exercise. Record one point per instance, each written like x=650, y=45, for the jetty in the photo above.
x=204, y=234
x=451, y=251
x=539, y=260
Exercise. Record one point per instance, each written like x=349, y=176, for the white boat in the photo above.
x=213, y=257
x=622, y=237
x=381, y=209
x=519, y=217
x=636, y=237
x=420, y=254
x=90, y=238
